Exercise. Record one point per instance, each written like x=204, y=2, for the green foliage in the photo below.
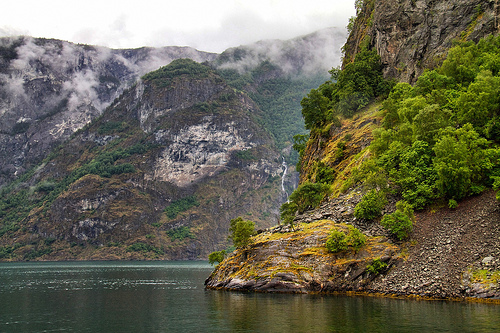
x=143, y=247
x=452, y=204
x=371, y=205
x=179, y=67
x=358, y=83
x=324, y=174
x=287, y=212
x=245, y=155
x=315, y=109
x=278, y=96
x=110, y=127
x=399, y=223
x=180, y=233
x=377, y=266
x=36, y=253
x=308, y=195
x=434, y=141
x=241, y=232
x=336, y=242
x=462, y=161
x=216, y=257
x=20, y=127
x=179, y=206
x=7, y=252
x=299, y=145
x=355, y=238
x=45, y=186
x=353, y=88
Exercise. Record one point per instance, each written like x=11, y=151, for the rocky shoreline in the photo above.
x=449, y=256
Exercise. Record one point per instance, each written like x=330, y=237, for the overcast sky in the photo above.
x=208, y=25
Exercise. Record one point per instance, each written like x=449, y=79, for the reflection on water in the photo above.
x=317, y=313
x=169, y=297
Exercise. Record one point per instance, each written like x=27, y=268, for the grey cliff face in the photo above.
x=50, y=88
x=199, y=139
x=412, y=35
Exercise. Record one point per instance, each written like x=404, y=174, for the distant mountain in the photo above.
x=51, y=88
x=102, y=159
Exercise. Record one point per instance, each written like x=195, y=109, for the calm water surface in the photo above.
x=170, y=297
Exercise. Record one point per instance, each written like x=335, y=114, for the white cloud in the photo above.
x=209, y=25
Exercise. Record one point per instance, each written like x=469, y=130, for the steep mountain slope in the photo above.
x=163, y=169
x=51, y=88
x=451, y=251
x=158, y=175
x=412, y=35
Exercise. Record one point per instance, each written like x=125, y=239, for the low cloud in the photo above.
x=81, y=90
x=316, y=52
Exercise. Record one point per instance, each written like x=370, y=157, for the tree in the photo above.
x=462, y=161
x=370, y=205
x=287, y=212
x=216, y=257
x=241, y=232
x=315, y=109
x=481, y=100
x=309, y=195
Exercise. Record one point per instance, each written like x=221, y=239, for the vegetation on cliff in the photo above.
x=438, y=139
x=109, y=193
x=379, y=154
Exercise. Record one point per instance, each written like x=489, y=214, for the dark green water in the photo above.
x=170, y=297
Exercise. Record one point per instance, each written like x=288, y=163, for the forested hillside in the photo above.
x=393, y=167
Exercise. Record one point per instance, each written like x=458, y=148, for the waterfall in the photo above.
x=285, y=169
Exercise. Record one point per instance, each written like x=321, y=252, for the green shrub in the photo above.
x=36, y=253
x=398, y=223
x=180, y=233
x=180, y=67
x=377, y=266
x=216, y=257
x=452, y=204
x=287, y=212
x=336, y=242
x=241, y=232
x=370, y=206
x=143, y=247
x=324, y=174
x=355, y=238
x=181, y=205
x=309, y=195
x=306, y=196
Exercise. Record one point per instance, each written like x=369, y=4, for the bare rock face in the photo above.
x=412, y=35
x=198, y=151
x=49, y=89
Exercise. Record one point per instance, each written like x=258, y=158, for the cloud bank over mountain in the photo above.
x=211, y=26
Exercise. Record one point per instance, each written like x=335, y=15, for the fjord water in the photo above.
x=170, y=297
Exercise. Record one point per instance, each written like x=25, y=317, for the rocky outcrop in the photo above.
x=452, y=254
x=297, y=261
x=412, y=35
